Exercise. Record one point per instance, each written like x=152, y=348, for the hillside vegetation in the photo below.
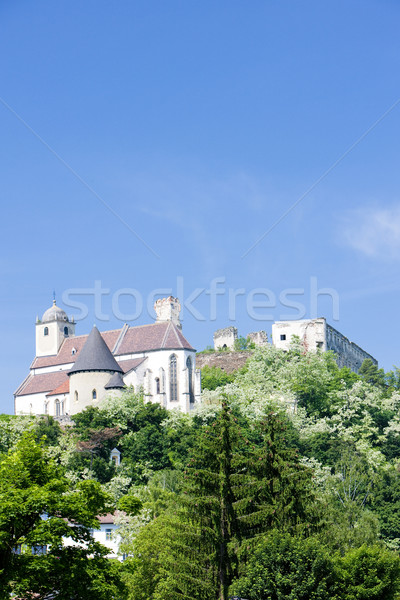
x=284, y=483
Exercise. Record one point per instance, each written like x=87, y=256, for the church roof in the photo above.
x=131, y=363
x=95, y=356
x=44, y=382
x=127, y=340
x=116, y=382
x=54, y=313
x=71, y=347
x=63, y=388
x=57, y=382
x=157, y=336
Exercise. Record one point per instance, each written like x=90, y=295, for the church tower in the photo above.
x=52, y=330
x=168, y=309
x=94, y=374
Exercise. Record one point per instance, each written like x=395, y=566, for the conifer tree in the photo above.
x=236, y=488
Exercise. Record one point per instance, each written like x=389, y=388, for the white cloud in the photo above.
x=374, y=232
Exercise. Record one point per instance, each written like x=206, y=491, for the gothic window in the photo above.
x=46, y=408
x=190, y=378
x=147, y=381
x=94, y=395
x=57, y=408
x=76, y=396
x=158, y=387
x=173, y=378
x=162, y=380
x=46, y=331
x=66, y=331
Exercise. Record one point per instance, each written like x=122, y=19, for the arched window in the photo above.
x=46, y=408
x=76, y=396
x=57, y=408
x=190, y=378
x=173, y=378
x=161, y=374
x=66, y=331
x=158, y=387
x=46, y=331
x=62, y=407
x=94, y=395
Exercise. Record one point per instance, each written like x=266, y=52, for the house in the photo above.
x=72, y=372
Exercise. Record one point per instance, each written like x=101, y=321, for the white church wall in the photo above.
x=81, y=386
x=30, y=404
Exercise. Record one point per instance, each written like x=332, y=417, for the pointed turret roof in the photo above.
x=116, y=382
x=95, y=356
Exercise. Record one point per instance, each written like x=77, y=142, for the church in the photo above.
x=72, y=372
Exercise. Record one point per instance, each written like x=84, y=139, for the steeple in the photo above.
x=52, y=329
x=95, y=356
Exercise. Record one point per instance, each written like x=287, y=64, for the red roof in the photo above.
x=127, y=340
x=133, y=340
x=108, y=518
x=44, y=382
x=63, y=388
x=65, y=354
x=131, y=363
x=157, y=336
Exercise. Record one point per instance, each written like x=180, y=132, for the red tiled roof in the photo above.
x=131, y=363
x=108, y=518
x=63, y=388
x=141, y=338
x=65, y=355
x=152, y=337
x=44, y=382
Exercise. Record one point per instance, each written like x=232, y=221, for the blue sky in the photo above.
x=195, y=126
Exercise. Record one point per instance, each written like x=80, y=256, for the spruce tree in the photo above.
x=237, y=486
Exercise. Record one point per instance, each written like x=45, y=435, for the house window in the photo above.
x=46, y=331
x=173, y=378
x=108, y=535
x=37, y=550
x=283, y=336
x=94, y=395
x=66, y=333
x=190, y=378
x=158, y=388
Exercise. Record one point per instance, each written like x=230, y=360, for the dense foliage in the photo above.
x=283, y=483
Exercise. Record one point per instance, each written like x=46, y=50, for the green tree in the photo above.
x=287, y=567
x=39, y=508
x=371, y=374
x=236, y=486
x=369, y=573
x=214, y=377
